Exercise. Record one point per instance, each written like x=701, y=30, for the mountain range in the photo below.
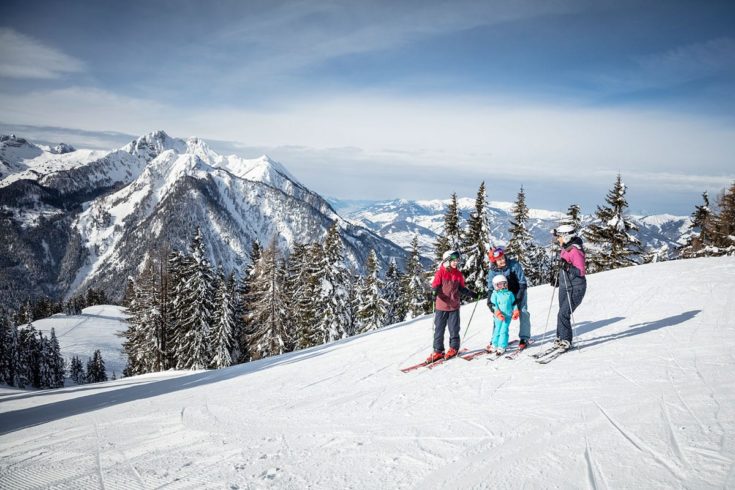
x=74, y=219
x=400, y=220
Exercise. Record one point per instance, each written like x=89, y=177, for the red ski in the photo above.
x=430, y=364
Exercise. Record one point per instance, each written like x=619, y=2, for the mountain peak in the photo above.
x=153, y=144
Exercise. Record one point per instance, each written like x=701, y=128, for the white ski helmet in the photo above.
x=450, y=255
x=565, y=231
x=499, y=279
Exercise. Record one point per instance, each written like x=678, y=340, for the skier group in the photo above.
x=508, y=300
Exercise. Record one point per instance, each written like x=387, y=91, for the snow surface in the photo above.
x=646, y=401
x=95, y=328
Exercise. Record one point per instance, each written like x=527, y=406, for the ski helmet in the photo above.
x=499, y=279
x=495, y=254
x=450, y=255
x=565, y=231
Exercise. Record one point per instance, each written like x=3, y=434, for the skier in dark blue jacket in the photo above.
x=513, y=271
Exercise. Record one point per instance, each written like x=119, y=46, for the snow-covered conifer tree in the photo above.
x=610, y=237
x=415, y=286
x=699, y=228
x=267, y=316
x=521, y=245
x=56, y=361
x=224, y=321
x=195, y=306
x=373, y=307
x=723, y=226
x=396, y=308
x=450, y=238
x=76, y=371
x=332, y=293
x=474, y=245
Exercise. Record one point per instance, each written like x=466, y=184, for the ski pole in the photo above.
x=551, y=302
x=470, y=322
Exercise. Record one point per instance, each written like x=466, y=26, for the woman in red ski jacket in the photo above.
x=448, y=286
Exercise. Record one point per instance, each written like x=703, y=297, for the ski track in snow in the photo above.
x=635, y=408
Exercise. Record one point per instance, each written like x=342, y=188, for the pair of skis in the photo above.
x=548, y=355
x=434, y=364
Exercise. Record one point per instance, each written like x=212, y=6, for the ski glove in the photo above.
x=499, y=315
x=516, y=314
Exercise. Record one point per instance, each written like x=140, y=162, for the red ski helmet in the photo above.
x=495, y=253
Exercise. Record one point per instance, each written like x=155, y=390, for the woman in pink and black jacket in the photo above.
x=572, y=282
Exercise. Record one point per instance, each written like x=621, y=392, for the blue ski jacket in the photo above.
x=516, y=279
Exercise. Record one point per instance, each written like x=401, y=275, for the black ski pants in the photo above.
x=443, y=319
x=568, y=291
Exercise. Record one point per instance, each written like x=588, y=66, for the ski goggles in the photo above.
x=453, y=257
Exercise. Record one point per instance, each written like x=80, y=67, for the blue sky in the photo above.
x=378, y=100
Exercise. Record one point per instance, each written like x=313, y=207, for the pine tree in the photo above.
x=193, y=350
x=573, y=217
x=699, y=228
x=521, y=245
x=396, y=308
x=474, y=246
x=56, y=362
x=96, y=372
x=450, y=239
x=268, y=317
x=241, y=336
x=76, y=371
x=307, y=286
x=30, y=357
x=723, y=227
x=415, y=286
x=613, y=246
x=333, y=295
x=373, y=307
x=224, y=321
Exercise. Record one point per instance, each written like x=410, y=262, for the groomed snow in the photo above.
x=647, y=401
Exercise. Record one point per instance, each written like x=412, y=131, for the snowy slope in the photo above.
x=647, y=401
x=81, y=335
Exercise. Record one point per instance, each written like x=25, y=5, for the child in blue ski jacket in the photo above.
x=503, y=305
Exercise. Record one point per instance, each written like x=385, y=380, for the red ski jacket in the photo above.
x=448, y=284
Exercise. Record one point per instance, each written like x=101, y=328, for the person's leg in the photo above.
x=524, y=332
x=503, y=337
x=563, y=319
x=496, y=332
x=453, y=325
x=440, y=323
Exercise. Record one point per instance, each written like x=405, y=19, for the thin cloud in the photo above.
x=22, y=57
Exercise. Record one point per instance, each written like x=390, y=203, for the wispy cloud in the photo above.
x=22, y=56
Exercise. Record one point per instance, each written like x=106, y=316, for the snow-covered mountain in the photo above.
x=400, y=220
x=88, y=219
x=646, y=401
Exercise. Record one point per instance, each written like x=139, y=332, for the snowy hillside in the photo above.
x=399, y=220
x=646, y=401
x=95, y=328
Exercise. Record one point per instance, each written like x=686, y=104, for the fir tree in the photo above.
x=373, y=307
x=224, y=321
x=450, y=239
x=415, y=286
x=610, y=236
x=76, y=371
x=307, y=285
x=521, y=245
x=333, y=295
x=268, y=317
x=195, y=306
x=699, y=231
x=96, y=372
x=573, y=217
x=396, y=308
x=474, y=246
x=723, y=226
x=57, y=363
